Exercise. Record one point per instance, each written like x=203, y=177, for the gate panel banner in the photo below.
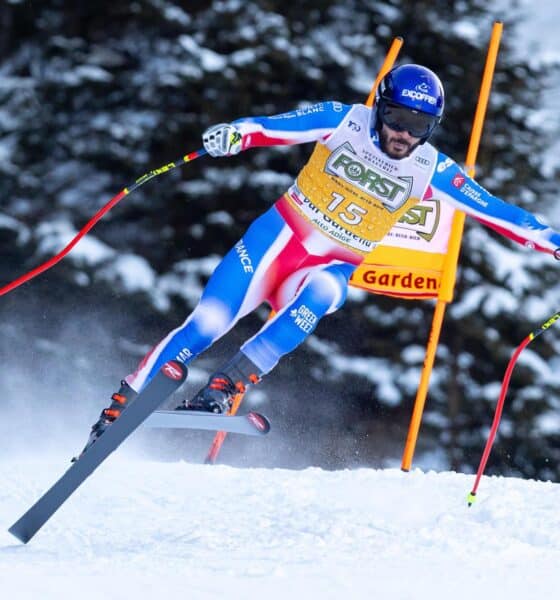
x=410, y=260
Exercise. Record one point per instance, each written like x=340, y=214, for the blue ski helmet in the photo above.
x=417, y=90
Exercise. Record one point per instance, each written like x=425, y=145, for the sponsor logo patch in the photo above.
x=444, y=165
x=424, y=163
x=257, y=421
x=423, y=218
x=419, y=94
x=410, y=280
x=171, y=370
x=458, y=181
x=304, y=318
x=184, y=355
x=391, y=191
x=244, y=258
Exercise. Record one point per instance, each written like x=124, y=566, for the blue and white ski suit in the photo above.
x=300, y=254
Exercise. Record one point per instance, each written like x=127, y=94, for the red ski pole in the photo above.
x=499, y=407
x=98, y=215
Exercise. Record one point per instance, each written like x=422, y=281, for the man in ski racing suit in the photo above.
x=368, y=168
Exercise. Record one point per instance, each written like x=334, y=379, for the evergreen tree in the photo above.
x=96, y=93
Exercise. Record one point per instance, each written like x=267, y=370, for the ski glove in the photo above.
x=222, y=140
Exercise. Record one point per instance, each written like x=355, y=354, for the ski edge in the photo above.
x=252, y=423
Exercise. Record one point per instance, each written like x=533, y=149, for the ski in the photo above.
x=252, y=423
x=165, y=382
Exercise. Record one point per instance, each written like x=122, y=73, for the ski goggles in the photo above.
x=399, y=118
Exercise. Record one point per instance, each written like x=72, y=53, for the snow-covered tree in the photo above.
x=94, y=94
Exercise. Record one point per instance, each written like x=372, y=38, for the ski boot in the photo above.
x=119, y=402
x=222, y=387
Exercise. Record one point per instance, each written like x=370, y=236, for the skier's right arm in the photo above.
x=309, y=124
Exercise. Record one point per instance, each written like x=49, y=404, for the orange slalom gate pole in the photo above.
x=390, y=58
x=220, y=436
x=387, y=65
x=422, y=392
x=453, y=251
x=445, y=295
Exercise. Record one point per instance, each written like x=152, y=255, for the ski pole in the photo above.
x=98, y=215
x=503, y=391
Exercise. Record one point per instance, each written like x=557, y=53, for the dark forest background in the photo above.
x=94, y=94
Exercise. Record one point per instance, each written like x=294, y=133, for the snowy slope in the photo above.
x=141, y=529
x=145, y=529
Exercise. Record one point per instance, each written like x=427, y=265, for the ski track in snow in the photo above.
x=144, y=529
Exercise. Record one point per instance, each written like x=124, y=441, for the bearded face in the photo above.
x=397, y=144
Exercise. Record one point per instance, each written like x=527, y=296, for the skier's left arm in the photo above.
x=511, y=221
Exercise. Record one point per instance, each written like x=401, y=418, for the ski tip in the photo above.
x=20, y=535
x=260, y=422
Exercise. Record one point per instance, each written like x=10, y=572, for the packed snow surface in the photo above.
x=145, y=529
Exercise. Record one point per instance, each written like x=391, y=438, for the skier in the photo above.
x=368, y=168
